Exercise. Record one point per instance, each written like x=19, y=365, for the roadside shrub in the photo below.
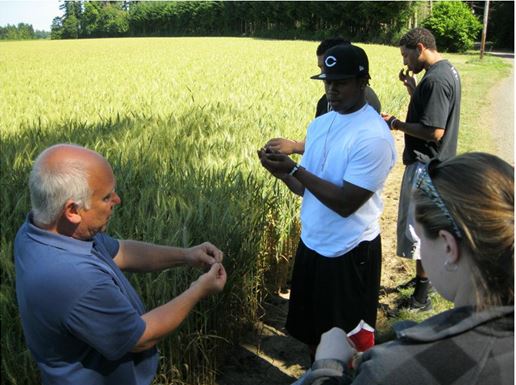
x=454, y=26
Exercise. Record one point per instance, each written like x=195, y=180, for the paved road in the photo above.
x=502, y=113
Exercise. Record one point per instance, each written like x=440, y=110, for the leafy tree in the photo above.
x=40, y=34
x=104, y=19
x=500, y=28
x=71, y=8
x=113, y=20
x=22, y=31
x=71, y=19
x=366, y=21
x=70, y=28
x=90, y=19
x=454, y=26
x=500, y=25
x=25, y=31
x=56, y=30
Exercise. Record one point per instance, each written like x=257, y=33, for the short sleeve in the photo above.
x=104, y=319
x=370, y=164
x=437, y=105
x=110, y=245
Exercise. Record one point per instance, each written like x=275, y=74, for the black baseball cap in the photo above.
x=344, y=61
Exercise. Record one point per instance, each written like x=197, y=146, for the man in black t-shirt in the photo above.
x=431, y=131
x=288, y=146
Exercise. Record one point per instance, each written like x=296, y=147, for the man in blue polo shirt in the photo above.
x=83, y=321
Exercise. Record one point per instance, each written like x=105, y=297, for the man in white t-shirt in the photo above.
x=348, y=154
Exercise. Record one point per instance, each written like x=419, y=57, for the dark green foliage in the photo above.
x=91, y=19
x=373, y=21
x=500, y=28
x=70, y=28
x=453, y=23
x=21, y=31
x=56, y=30
x=103, y=20
x=454, y=26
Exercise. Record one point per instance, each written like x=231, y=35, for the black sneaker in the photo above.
x=414, y=304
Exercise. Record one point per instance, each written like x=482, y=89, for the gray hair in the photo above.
x=51, y=187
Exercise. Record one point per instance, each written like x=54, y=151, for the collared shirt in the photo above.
x=457, y=347
x=80, y=315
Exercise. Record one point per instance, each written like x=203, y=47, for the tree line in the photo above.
x=368, y=21
x=22, y=31
x=380, y=21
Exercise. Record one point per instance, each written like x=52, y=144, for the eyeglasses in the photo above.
x=425, y=184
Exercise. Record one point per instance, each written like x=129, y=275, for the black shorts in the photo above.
x=328, y=292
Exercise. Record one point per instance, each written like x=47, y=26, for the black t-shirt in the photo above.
x=370, y=96
x=435, y=103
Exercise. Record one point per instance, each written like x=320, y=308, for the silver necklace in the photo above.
x=326, y=149
x=326, y=145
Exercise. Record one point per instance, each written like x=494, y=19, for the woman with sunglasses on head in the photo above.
x=464, y=211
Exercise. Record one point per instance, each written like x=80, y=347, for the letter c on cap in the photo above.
x=330, y=61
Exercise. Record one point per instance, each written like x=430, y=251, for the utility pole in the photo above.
x=484, y=30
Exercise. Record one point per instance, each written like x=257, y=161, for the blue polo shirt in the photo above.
x=80, y=315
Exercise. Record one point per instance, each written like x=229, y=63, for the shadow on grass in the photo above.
x=174, y=202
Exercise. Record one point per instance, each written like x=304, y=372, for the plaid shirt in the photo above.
x=457, y=347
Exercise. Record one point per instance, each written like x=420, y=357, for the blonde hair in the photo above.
x=478, y=190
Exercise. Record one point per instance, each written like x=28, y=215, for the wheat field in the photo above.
x=180, y=120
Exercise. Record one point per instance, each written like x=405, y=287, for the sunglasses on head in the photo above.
x=424, y=183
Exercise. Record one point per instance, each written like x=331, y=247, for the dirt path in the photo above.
x=500, y=114
x=267, y=355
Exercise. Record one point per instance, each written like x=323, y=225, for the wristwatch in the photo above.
x=294, y=169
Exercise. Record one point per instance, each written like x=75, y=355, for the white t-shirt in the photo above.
x=357, y=148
